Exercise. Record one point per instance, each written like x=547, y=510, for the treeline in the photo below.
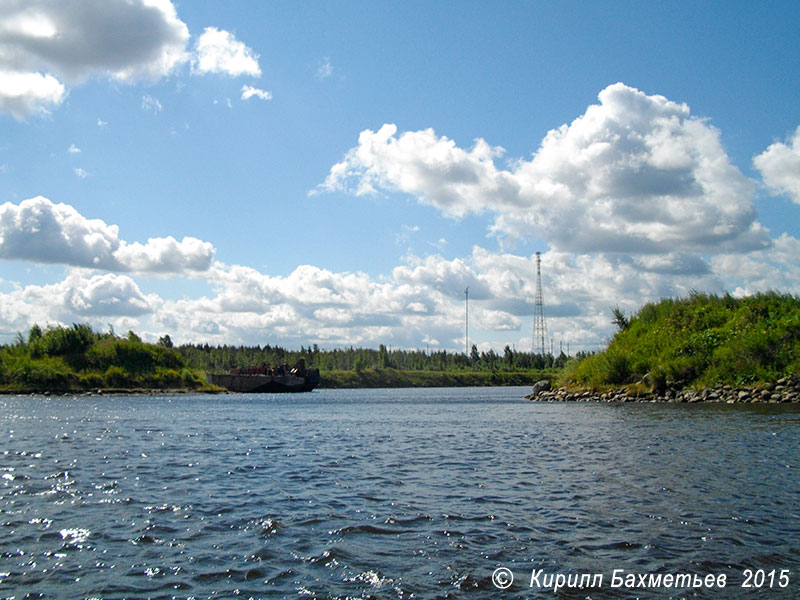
x=78, y=358
x=223, y=358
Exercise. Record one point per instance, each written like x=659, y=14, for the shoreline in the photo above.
x=112, y=392
x=366, y=379
x=784, y=391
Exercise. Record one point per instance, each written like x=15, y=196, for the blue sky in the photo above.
x=297, y=173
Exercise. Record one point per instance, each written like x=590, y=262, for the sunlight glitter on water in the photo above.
x=383, y=494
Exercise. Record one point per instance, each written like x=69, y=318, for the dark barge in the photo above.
x=266, y=380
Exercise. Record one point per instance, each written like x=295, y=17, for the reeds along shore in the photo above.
x=784, y=391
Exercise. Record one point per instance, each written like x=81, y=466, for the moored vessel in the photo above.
x=264, y=379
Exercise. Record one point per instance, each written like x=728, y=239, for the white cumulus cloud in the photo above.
x=45, y=43
x=248, y=91
x=450, y=277
x=438, y=172
x=218, y=51
x=97, y=299
x=420, y=301
x=74, y=39
x=634, y=174
x=425, y=298
x=780, y=167
x=103, y=295
x=38, y=230
x=22, y=94
x=775, y=268
x=166, y=255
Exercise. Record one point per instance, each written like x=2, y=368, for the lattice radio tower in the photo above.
x=539, y=324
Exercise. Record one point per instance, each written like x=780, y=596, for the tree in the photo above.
x=473, y=355
x=360, y=363
x=383, y=357
x=165, y=341
x=34, y=334
x=508, y=355
x=620, y=320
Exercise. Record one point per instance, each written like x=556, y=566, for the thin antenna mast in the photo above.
x=466, y=321
x=539, y=323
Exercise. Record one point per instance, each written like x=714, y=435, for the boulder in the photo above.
x=540, y=386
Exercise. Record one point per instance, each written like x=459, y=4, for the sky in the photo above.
x=297, y=173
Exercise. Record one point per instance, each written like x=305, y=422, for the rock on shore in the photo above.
x=786, y=390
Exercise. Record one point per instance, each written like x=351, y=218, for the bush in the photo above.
x=657, y=380
x=133, y=356
x=47, y=372
x=165, y=378
x=91, y=380
x=69, y=342
x=190, y=378
x=618, y=368
x=117, y=377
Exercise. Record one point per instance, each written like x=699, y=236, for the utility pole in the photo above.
x=539, y=323
x=466, y=321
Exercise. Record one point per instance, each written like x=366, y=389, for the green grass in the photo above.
x=701, y=340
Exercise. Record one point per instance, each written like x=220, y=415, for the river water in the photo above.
x=393, y=494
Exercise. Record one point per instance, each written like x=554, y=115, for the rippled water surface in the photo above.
x=388, y=494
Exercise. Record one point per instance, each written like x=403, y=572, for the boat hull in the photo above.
x=264, y=384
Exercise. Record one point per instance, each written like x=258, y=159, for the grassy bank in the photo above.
x=394, y=378
x=75, y=359
x=701, y=341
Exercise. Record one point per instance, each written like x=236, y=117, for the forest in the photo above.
x=77, y=358
x=222, y=358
